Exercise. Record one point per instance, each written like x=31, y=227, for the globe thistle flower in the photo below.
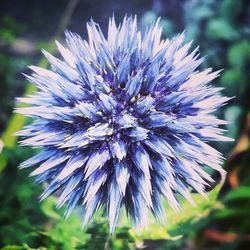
x=123, y=121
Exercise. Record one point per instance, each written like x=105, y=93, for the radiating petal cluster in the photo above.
x=123, y=121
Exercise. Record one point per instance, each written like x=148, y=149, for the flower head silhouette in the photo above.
x=123, y=121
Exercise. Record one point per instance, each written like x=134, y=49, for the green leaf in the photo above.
x=48, y=207
x=13, y=247
x=239, y=55
x=242, y=192
x=234, y=82
x=23, y=247
x=231, y=212
x=221, y=29
x=3, y=161
x=230, y=9
x=202, y=12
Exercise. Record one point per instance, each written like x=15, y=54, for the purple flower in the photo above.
x=123, y=121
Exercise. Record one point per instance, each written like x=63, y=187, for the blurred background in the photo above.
x=222, y=29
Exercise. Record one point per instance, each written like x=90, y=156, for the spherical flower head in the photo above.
x=123, y=121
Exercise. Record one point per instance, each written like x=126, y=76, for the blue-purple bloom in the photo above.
x=123, y=121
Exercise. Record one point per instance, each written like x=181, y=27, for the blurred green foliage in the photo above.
x=10, y=28
x=221, y=222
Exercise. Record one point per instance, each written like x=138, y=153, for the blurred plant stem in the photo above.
x=17, y=121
